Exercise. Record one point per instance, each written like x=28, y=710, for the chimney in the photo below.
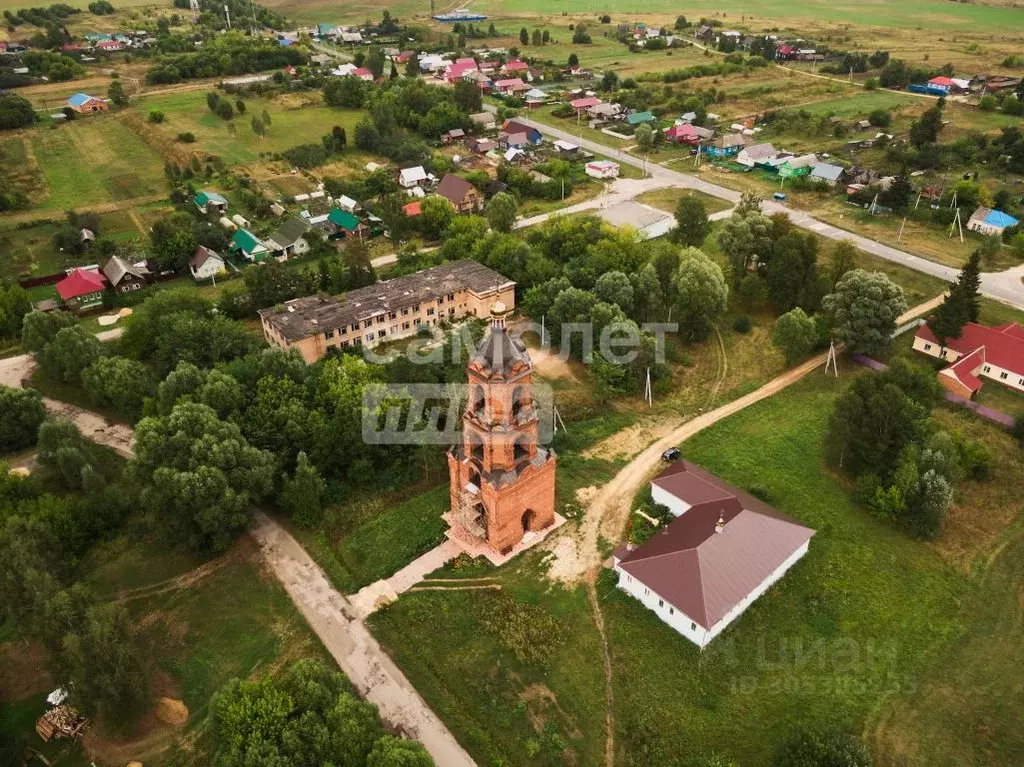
x=720, y=524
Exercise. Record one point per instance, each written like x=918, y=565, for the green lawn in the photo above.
x=514, y=673
x=375, y=536
x=860, y=105
x=95, y=160
x=667, y=199
x=289, y=127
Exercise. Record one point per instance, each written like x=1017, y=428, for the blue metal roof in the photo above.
x=1000, y=219
x=79, y=99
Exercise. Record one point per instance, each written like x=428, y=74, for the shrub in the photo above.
x=742, y=324
x=156, y=116
x=187, y=138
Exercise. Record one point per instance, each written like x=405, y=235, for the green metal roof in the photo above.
x=204, y=197
x=639, y=117
x=344, y=219
x=246, y=241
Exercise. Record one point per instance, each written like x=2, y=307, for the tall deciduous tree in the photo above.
x=118, y=383
x=302, y=493
x=692, y=221
x=198, y=475
x=864, y=308
x=70, y=352
x=501, y=212
x=21, y=413
x=795, y=334
x=745, y=240
x=702, y=295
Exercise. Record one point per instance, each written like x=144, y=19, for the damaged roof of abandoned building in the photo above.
x=305, y=317
x=706, y=561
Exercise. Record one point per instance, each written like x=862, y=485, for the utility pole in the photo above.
x=227, y=15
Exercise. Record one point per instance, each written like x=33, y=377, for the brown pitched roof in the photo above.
x=705, y=573
x=454, y=188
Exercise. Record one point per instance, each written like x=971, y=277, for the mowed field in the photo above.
x=291, y=124
x=94, y=160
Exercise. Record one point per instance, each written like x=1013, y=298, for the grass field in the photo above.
x=667, y=199
x=373, y=537
x=865, y=624
x=290, y=126
x=94, y=160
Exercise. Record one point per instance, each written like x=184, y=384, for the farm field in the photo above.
x=292, y=123
x=92, y=161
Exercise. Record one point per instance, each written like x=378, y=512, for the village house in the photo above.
x=483, y=121
x=510, y=87
x=86, y=104
x=482, y=81
x=798, y=166
x=125, y=277
x=566, y=149
x=515, y=133
x=455, y=134
x=825, y=173
x=363, y=74
x=480, y=145
x=460, y=193
x=995, y=353
x=604, y=111
x=388, y=310
x=249, y=245
x=410, y=177
x=602, y=169
x=726, y=145
x=205, y=264
x=584, y=104
x=639, y=118
x=515, y=66
x=724, y=550
x=210, y=202
x=458, y=68
x=535, y=98
x=757, y=154
x=82, y=289
x=288, y=240
x=989, y=222
x=346, y=224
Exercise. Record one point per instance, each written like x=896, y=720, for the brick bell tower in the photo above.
x=502, y=481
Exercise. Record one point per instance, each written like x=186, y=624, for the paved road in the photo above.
x=346, y=637
x=1002, y=286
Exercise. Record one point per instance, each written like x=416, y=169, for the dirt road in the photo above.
x=119, y=437
x=577, y=555
x=369, y=668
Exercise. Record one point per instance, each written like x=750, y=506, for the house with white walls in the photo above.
x=724, y=550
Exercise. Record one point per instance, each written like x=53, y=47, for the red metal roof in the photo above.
x=1004, y=345
x=80, y=283
x=586, y=103
x=516, y=66
x=705, y=571
x=963, y=369
x=947, y=81
x=362, y=72
x=412, y=208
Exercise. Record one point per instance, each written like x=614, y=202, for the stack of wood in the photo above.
x=61, y=722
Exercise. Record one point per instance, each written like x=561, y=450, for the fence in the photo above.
x=989, y=414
